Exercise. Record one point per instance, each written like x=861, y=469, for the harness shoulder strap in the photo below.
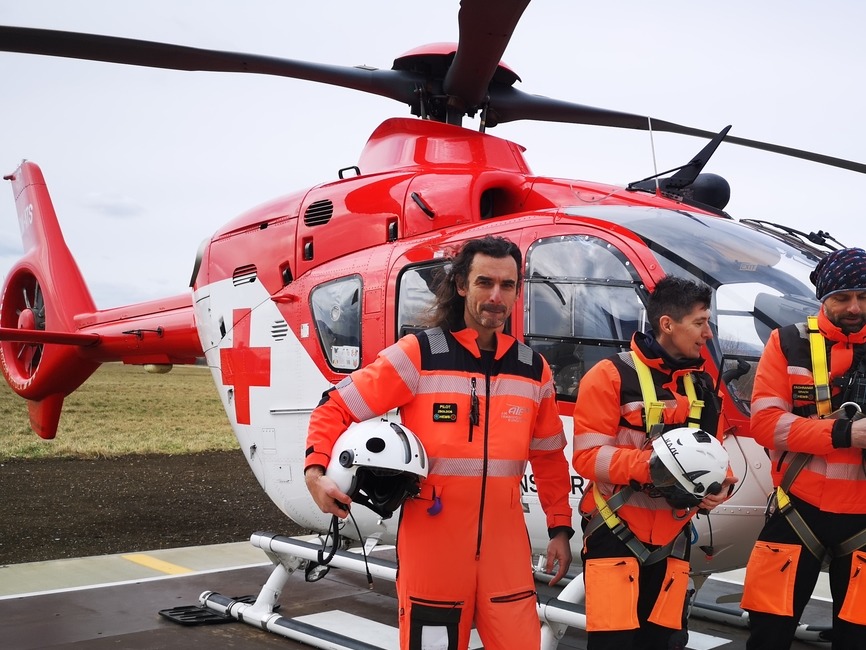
x=652, y=407
x=820, y=372
x=695, y=405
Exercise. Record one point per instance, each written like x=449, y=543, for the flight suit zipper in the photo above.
x=486, y=458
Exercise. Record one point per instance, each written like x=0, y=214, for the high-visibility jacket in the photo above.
x=784, y=417
x=468, y=559
x=433, y=387
x=610, y=436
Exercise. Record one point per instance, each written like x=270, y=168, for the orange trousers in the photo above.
x=454, y=573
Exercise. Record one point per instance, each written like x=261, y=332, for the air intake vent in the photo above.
x=318, y=213
x=244, y=275
x=279, y=330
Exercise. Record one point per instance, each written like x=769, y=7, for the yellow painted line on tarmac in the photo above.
x=155, y=564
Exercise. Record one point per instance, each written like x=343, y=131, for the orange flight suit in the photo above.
x=462, y=546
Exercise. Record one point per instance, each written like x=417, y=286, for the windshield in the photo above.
x=584, y=299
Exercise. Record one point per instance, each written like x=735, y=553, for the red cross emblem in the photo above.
x=243, y=366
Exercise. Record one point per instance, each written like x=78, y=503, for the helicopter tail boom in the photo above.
x=52, y=338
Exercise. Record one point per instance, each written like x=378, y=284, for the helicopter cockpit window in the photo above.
x=336, y=307
x=416, y=295
x=582, y=303
x=759, y=281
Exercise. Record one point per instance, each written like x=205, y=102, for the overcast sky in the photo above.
x=145, y=164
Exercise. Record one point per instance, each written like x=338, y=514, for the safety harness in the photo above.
x=821, y=377
x=606, y=509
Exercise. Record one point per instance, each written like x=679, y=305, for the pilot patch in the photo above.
x=444, y=412
x=803, y=393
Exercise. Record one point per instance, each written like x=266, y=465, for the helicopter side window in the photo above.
x=582, y=304
x=336, y=307
x=416, y=296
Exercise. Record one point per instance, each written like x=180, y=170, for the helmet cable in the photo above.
x=334, y=533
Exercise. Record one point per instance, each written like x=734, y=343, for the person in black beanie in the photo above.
x=809, y=389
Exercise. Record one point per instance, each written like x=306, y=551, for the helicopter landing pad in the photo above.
x=116, y=601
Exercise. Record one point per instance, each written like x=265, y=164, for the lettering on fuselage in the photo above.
x=25, y=220
x=527, y=484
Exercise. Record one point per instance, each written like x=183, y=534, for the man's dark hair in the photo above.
x=676, y=297
x=449, y=305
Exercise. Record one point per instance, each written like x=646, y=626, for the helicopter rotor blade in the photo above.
x=509, y=104
x=393, y=84
x=485, y=30
x=466, y=79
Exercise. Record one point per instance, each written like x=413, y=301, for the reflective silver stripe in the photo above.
x=831, y=471
x=782, y=429
x=441, y=382
x=800, y=371
x=764, y=403
x=627, y=359
x=624, y=437
x=505, y=386
x=590, y=439
x=837, y=471
x=631, y=407
x=438, y=340
x=475, y=466
x=631, y=438
x=524, y=353
x=352, y=397
x=548, y=390
x=602, y=465
x=397, y=357
x=549, y=443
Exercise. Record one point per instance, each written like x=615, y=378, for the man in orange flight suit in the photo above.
x=611, y=449
x=482, y=404
x=807, y=371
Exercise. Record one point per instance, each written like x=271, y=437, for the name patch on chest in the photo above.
x=444, y=412
x=803, y=392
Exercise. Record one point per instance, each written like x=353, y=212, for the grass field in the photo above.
x=123, y=410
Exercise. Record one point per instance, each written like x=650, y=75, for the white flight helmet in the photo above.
x=686, y=465
x=379, y=464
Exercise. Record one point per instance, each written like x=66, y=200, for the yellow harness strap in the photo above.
x=604, y=509
x=820, y=373
x=653, y=408
x=677, y=547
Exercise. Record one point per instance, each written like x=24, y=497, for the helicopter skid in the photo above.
x=291, y=553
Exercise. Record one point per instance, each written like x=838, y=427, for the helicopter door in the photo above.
x=582, y=301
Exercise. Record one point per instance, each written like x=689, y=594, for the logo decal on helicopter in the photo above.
x=243, y=366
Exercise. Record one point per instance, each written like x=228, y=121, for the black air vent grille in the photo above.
x=244, y=275
x=279, y=330
x=318, y=213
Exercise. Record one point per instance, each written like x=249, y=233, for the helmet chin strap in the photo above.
x=334, y=533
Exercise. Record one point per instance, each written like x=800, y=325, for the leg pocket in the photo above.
x=854, y=606
x=770, y=573
x=669, y=607
x=434, y=626
x=611, y=593
x=509, y=620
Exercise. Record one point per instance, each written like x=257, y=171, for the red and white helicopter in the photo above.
x=290, y=296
